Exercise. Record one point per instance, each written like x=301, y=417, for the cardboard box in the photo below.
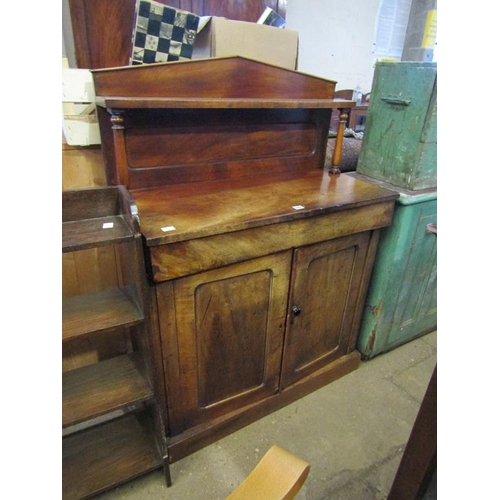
x=77, y=85
x=80, y=125
x=81, y=129
x=219, y=37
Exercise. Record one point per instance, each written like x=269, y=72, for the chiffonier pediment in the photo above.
x=234, y=77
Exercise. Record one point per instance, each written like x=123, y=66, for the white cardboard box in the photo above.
x=219, y=37
x=77, y=85
x=81, y=130
x=80, y=124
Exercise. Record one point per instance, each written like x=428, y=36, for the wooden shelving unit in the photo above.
x=108, y=310
x=108, y=454
x=92, y=391
x=112, y=429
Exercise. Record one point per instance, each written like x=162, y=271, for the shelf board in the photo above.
x=105, y=456
x=123, y=102
x=99, y=312
x=91, y=233
x=97, y=389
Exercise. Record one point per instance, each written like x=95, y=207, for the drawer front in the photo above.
x=187, y=257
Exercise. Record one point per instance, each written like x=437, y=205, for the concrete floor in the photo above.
x=353, y=433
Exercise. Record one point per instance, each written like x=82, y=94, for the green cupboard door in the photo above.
x=402, y=298
x=400, y=139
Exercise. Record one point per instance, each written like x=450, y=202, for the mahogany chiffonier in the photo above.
x=258, y=258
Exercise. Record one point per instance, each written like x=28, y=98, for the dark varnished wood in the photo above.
x=210, y=103
x=190, y=256
x=102, y=31
x=80, y=235
x=99, y=312
x=201, y=120
x=224, y=158
x=419, y=461
x=124, y=379
x=85, y=211
x=202, y=435
x=93, y=203
x=314, y=353
x=185, y=147
x=225, y=340
x=330, y=278
x=214, y=78
x=222, y=144
x=363, y=288
x=104, y=387
x=320, y=325
x=221, y=207
x=92, y=349
x=107, y=455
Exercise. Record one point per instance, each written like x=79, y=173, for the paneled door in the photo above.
x=325, y=297
x=222, y=335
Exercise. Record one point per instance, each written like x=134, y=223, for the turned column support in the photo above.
x=343, y=107
x=118, y=127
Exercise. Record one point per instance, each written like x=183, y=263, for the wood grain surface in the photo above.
x=205, y=209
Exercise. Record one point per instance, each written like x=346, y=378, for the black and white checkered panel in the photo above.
x=162, y=33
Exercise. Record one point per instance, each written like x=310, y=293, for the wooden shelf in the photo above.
x=91, y=233
x=94, y=390
x=99, y=312
x=85, y=211
x=107, y=455
x=213, y=103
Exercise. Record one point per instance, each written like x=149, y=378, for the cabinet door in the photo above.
x=415, y=306
x=401, y=303
x=325, y=298
x=223, y=349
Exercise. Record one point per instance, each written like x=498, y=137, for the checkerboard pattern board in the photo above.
x=162, y=33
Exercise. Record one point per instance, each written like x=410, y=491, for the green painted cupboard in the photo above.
x=400, y=138
x=401, y=303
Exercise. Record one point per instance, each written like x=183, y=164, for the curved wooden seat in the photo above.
x=278, y=476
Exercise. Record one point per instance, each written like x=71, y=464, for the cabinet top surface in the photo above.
x=187, y=211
